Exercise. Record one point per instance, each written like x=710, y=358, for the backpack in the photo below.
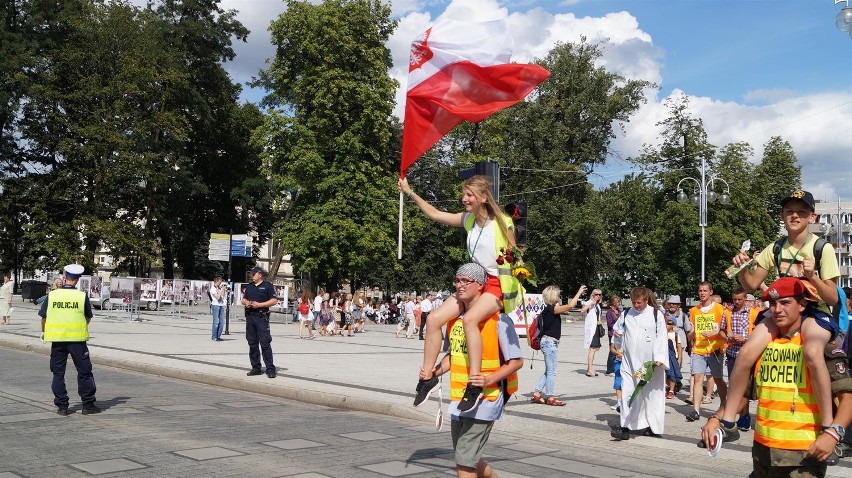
x=303, y=308
x=624, y=318
x=776, y=253
x=535, y=332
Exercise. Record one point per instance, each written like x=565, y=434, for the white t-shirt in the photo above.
x=426, y=306
x=480, y=245
x=318, y=303
x=213, y=292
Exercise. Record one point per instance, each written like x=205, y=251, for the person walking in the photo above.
x=425, y=309
x=737, y=324
x=218, y=295
x=65, y=317
x=257, y=299
x=645, y=340
x=490, y=234
x=305, y=314
x=6, y=293
x=613, y=312
x=551, y=334
x=501, y=353
x=591, y=339
x=707, y=353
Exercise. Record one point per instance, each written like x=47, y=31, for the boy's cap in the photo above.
x=801, y=195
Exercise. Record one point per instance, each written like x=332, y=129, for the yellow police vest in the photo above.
x=491, y=359
x=509, y=285
x=66, y=320
x=788, y=416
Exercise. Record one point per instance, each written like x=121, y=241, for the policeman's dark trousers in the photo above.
x=257, y=332
x=59, y=352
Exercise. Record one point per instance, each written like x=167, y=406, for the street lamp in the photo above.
x=704, y=193
x=836, y=226
x=843, y=20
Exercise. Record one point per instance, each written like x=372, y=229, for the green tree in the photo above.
x=326, y=142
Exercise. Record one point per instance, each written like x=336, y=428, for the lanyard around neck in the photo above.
x=793, y=260
x=475, y=244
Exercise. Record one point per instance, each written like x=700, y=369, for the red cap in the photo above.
x=787, y=287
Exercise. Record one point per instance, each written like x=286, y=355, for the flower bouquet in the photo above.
x=644, y=375
x=521, y=270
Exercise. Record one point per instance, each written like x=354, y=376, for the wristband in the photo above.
x=833, y=434
x=722, y=422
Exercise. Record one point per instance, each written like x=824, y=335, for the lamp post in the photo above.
x=704, y=193
x=836, y=226
x=843, y=20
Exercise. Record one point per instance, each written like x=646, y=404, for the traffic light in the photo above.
x=518, y=211
x=489, y=169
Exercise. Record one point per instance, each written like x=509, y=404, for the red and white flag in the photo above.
x=460, y=71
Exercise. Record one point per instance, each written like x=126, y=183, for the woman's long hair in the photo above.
x=481, y=186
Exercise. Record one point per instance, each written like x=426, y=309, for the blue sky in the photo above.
x=752, y=68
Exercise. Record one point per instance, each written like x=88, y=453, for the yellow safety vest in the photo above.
x=788, y=416
x=66, y=320
x=491, y=360
x=509, y=285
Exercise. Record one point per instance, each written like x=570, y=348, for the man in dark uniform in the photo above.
x=258, y=298
x=65, y=317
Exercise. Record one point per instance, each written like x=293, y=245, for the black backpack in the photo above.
x=776, y=253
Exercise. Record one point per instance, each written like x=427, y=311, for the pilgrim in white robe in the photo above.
x=644, y=340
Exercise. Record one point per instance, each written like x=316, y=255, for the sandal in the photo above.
x=553, y=401
x=706, y=400
x=537, y=398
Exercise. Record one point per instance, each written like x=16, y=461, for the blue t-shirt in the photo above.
x=87, y=307
x=510, y=347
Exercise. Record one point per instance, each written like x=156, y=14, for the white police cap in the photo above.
x=73, y=271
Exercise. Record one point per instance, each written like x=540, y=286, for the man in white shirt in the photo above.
x=425, y=307
x=317, y=307
x=409, y=317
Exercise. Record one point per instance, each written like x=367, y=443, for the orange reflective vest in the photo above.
x=707, y=322
x=491, y=359
x=788, y=416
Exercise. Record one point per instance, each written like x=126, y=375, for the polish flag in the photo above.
x=460, y=71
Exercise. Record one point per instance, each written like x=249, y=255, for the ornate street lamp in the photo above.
x=703, y=193
x=843, y=20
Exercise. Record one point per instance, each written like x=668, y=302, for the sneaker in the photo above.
x=728, y=435
x=744, y=423
x=424, y=389
x=62, y=411
x=669, y=395
x=692, y=416
x=614, y=407
x=609, y=374
x=90, y=409
x=678, y=387
x=620, y=433
x=471, y=398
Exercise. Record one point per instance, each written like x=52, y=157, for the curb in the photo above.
x=326, y=399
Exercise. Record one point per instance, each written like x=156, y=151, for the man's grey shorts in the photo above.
x=699, y=364
x=469, y=438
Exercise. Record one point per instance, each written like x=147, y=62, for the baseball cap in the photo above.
x=73, y=271
x=801, y=195
x=787, y=287
x=257, y=269
x=674, y=299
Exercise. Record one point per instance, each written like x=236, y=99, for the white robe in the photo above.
x=644, y=340
x=590, y=326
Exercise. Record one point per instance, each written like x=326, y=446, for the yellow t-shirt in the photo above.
x=792, y=262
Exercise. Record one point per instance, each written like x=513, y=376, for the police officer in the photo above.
x=65, y=317
x=258, y=298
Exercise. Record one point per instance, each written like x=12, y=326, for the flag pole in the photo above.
x=399, y=237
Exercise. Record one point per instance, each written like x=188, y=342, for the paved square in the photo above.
x=9, y=474
x=26, y=417
x=250, y=404
x=367, y=436
x=530, y=448
x=108, y=466
x=309, y=475
x=295, y=444
x=579, y=467
x=209, y=453
x=396, y=468
x=183, y=408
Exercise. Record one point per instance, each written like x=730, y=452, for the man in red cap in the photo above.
x=788, y=438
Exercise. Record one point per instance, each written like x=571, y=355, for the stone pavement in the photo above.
x=376, y=372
